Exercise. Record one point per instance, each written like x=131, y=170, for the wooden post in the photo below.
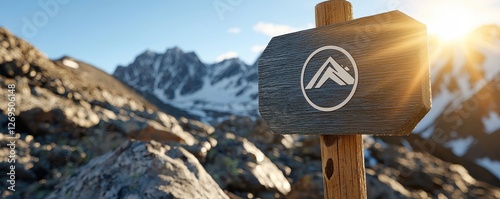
x=341, y=156
x=390, y=99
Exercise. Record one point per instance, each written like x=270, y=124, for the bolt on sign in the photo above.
x=365, y=76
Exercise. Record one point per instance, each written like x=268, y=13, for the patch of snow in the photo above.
x=220, y=93
x=439, y=104
x=156, y=65
x=191, y=70
x=368, y=140
x=492, y=166
x=370, y=161
x=407, y=145
x=437, y=65
x=460, y=146
x=232, y=94
x=491, y=53
x=70, y=63
x=382, y=143
x=127, y=77
x=198, y=113
x=158, y=74
x=136, y=73
x=217, y=68
x=458, y=60
x=427, y=132
x=448, y=100
x=464, y=85
x=491, y=123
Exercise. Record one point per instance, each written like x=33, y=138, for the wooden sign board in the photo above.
x=365, y=76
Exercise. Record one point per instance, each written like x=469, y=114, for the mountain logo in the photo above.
x=332, y=71
x=336, y=73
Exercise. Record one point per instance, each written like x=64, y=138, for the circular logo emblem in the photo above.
x=329, y=78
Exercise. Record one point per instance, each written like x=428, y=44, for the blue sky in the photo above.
x=113, y=32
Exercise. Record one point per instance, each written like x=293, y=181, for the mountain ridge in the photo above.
x=179, y=79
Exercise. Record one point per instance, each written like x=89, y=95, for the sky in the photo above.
x=113, y=32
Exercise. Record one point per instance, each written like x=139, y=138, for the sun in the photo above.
x=452, y=21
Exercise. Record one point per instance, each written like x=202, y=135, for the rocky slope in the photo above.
x=65, y=110
x=81, y=134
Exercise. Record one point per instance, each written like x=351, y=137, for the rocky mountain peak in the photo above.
x=181, y=80
x=147, y=54
x=174, y=50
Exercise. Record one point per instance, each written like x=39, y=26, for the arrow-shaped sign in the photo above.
x=366, y=76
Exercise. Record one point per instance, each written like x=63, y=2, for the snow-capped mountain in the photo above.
x=463, y=125
x=205, y=91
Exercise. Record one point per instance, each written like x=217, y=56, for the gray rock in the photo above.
x=152, y=130
x=376, y=188
x=141, y=170
x=310, y=186
x=237, y=164
x=39, y=122
x=39, y=167
x=14, y=68
x=411, y=174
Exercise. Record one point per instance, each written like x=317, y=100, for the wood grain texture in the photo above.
x=335, y=11
x=341, y=156
x=345, y=159
x=393, y=90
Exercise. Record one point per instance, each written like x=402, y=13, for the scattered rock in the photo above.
x=238, y=165
x=378, y=189
x=412, y=174
x=40, y=122
x=310, y=186
x=39, y=167
x=310, y=147
x=141, y=170
x=14, y=68
x=152, y=130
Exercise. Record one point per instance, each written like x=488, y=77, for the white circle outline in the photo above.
x=329, y=109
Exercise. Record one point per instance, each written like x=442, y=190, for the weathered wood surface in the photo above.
x=342, y=157
x=393, y=88
x=343, y=166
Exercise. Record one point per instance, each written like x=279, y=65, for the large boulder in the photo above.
x=239, y=166
x=141, y=170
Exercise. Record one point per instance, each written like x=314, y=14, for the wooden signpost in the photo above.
x=343, y=79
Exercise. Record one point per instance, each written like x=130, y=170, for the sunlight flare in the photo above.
x=452, y=21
